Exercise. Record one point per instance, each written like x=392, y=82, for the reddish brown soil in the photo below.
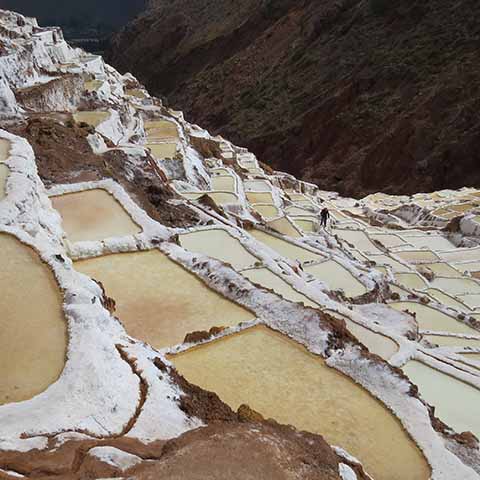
x=356, y=95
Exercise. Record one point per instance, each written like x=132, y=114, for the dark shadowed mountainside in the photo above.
x=353, y=95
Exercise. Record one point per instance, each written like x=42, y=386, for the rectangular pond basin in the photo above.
x=224, y=183
x=285, y=248
x=280, y=379
x=266, y=211
x=429, y=318
x=219, y=244
x=135, y=92
x=358, y=239
x=93, y=85
x=411, y=280
x=4, y=173
x=447, y=300
x=417, y=256
x=461, y=255
x=432, y=242
x=163, y=150
x=257, y=185
x=388, y=240
x=259, y=197
x=472, y=356
x=456, y=403
x=4, y=150
x=444, y=341
x=473, y=301
x=93, y=215
x=442, y=269
x=389, y=261
x=160, y=130
x=457, y=286
x=93, y=119
x=467, y=267
x=33, y=338
x=337, y=277
x=294, y=210
x=267, y=279
x=285, y=227
x=306, y=225
x=157, y=300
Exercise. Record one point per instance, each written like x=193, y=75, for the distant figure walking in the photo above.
x=324, y=216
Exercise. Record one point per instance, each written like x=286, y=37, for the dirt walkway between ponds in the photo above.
x=63, y=155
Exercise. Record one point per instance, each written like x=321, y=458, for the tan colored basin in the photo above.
x=160, y=130
x=443, y=341
x=259, y=197
x=257, y=185
x=294, y=210
x=455, y=402
x=461, y=255
x=432, y=242
x=4, y=173
x=93, y=215
x=467, y=267
x=285, y=227
x=267, y=279
x=417, y=256
x=266, y=211
x=473, y=301
x=429, y=318
x=442, y=269
x=379, y=344
x=157, y=300
x=387, y=260
x=4, y=150
x=220, y=245
x=447, y=300
x=163, y=150
x=472, y=356
x=223, y=183
x=286, y=249
x=457, y=286
x=358, y=239
x=388, y=240
x=93, y=85
x=307, y=225
x=33, y=337
x=281, y=379
x=411, y=280
x=135, y=92
x=91, y=118
x=336, y=277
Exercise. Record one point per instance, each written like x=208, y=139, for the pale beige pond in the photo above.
x=457, y=286
x=267, y=279
x=257, y=185
x=447, y=300
x=443, y=341
x=442, y=269
x=135, y=92
x=160, y=130
x=472, y=356
x=467, y=267
x=224, y=183
x=163, y=150
x=411, y=280
x=4, y=173
x=93, y=215
x=358, y=239
x=282, y=380
x=33, y=338
x=429, y=318
x=259, y=197
x=220, y=245
x=93, y=119
x=455, y=402
x=417, y=256
x=336, y=277
x=223, y=198
x=4, y=150
x=432, y=242
x=266, y=211
x=285, y=227
x=286, y=249
x=297, y=211
x=388, y=240
x=387, y=260
x=379, y=344
x=306, y=225
x=93, y=85
x=473, y=301
x=157, y=300
x=462, y=255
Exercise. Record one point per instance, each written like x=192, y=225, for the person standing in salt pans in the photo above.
x=324, y=216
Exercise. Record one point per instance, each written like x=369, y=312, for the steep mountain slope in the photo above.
x=353, y=95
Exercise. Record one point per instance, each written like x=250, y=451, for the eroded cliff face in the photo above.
x=357, y=96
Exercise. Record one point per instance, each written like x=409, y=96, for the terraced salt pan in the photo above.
x=411, y=280
x=358, y=239
x=472, y=356
x=456, y=403
x=473, y=301
x=282, y=380
x=429, y=318
x=163, y=150
x=223, y=198
x=4, y=173
x=259, y=197
x=307, y=226
x=447, y=300
x=33, y=339
x=157, y=300
x=266, y=211
x=4, y=150
x=220, y=245
x=337, y=278
x=442, y=269
x=417, y=256
x=257, y=185
x=444, y=341
x=467, y=267
x=457, y=286
x=93, y=215
x=160, y=130
x=91, y=118
x=388, y=240
x=386, y=260
x=432, y=242
x=376, y=343
x=461, y=255
x=93, y=85
x=286, y=249
x=224, y=182
x=267, y=279
x=294, y=210
x=135, y=92
x=285, y=227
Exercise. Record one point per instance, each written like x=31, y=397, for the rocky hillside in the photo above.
x=353, y=95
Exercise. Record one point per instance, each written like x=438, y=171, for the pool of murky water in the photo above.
x=224, y=182
x=456, y=403
x=267, y=211
x=218, y=244
x=4, y=173
x=388, y=240
x=4, y=150
x=282, y=380
x=457, y=286
x=447, y=300
x=259, y=197
x=444, y=341
x=442, y=269
x=433, y=242
x=91, y=118
x=157, y=300
x=93, y=215
x=160, y=130
x=417, y=256
x=33, y=339
x=163, y=150
x=358, y=239
x=461, y=255
x=411, y=280
x=285, y=227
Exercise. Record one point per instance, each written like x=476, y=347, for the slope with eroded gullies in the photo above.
x=183, y=294
x=356, y=96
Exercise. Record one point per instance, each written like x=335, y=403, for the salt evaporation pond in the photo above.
x=33, y=338
x=4, y=173
x=93, y=119
x=93, y=215
x=224, y=182
x=160, y=129
x=444, y=341
x=456, y=403
x=285, y=227
x=157, y=300
x=358, y=239
x=220, y=245
x=4, y=149
x=267, y=211
x=282, y=380
x=163, y=150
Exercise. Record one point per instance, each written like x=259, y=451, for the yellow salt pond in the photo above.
x=93, y=119
x=444, y=341
x=432, y=242
x=379, y=344
x=33, y=338
x=472, y=356
x=160, y=130
x=442, y=269
x=358, y=239
x=157, y=300
x=267, y=279
x=457, y=286
x=257, y=185
x=461, y=255
x=456, y=403
x=429, y=318
x=93, y=85
x=417, y=256
x=447, y=300
x=224, y=182
x=266, y=211
x=4, y=150
x=218, y=244
x=286, y=249
x=163, y=150
x=135, y=92
x=388, y=240
x=306, y=225
x=259, y=197
x=297, y=211
x=285, y=227
x=4, y=173
x=411, y=280
x=282, y=380
x=223, y=198
x=336, y=277
x=93, y=215
x=473, y=301
x=389, y=261
x=467, y=267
